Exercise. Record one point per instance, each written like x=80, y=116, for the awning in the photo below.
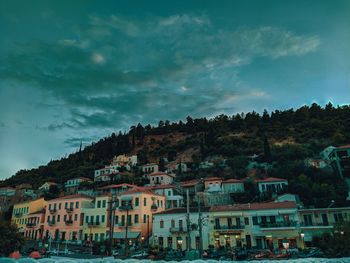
x=121, y=235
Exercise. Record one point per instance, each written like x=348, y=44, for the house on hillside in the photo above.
x=271, y=185
x=45, y=187
x=72, y=185
x=150, y=168
x=160, y=178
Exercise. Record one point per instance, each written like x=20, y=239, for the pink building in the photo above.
x=64, y=217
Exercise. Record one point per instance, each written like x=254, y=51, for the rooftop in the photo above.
x=117, y=186
x=212, y=179
x=180, y=210
x=254, y=206
x=232, y=180
x=270, y=179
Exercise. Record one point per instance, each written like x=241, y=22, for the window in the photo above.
x=170, y=242
x=144, y=219
x=48, y=218
x=49, y=206
x=338, y=217
x=102, y=237
x=136, y=201
x=58, y=218
x=75, y=217
x=169, y=193
x=255, y=221
x=66, y=205
x=99, y=204
x=161, y=242
x=161, y=224
x=246, y=221
x=180, y=224
x=308, y=220
x=87, y=219
x=103, y=203
x=71, y=205
x=103, y=218
x=96, y=237
x=65, y=218
x=217, y=223
x=76, y=204
x=172, y=223
x=123, y=220
x=144, y=201
x=59, y=206
x=91, y=219
x=97, y=219
x=54, y=206
x=136, y=219
x=129, y=220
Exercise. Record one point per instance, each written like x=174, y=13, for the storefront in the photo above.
x=227, y=239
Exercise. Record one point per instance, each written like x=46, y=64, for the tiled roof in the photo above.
x=117, y=186
x=158, y=174
x=138, y=189
x=180, y=210
x=72, y=197
x=232, y=180
x=189, y=183
x=255, y=206
x=270, y=179
x=155, y=187
x=212, y=179
x=344, y=146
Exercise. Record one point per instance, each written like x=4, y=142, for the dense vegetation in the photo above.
x=284, y=138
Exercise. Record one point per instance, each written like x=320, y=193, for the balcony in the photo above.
x=30, y=225
x=94, y=224
x=69, y=222
x=125, y=208
x=232, y=227
x=315, y=225
x=69, y=209
x=18, y=214
x=178, y=230
x=278, y=225
x=51, y=223
x=124, y=225
x=52, y=210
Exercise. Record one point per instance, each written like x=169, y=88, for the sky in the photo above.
x=74, y=70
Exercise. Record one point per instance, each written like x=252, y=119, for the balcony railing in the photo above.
x=303, y=224
x=69, y=209
x=278, y=224
x=52, y=210
x=123, y=224
x=69, y=222
x=232, y=227
x=94, y=224
x=18, y=214
x=125, y=208
x=178, y=230
x=29, y=225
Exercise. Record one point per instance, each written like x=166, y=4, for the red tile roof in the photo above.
x=157, y=174
x=189, y=183
x=255, y=206
x=232, y=180
x=155, y=187
x=72, y=197
x=270, y=179
x=344, y=146
x=117, y=186
x=213, y=179
x=138, y=189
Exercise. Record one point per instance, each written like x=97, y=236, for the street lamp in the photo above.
x=302, y=235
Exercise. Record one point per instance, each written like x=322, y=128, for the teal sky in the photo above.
x=79, y=70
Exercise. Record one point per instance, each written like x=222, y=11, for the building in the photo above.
x=150, y=168
x=126, y=161
x=173, y=196
x=96, y=220
x=25, y=190
x=72, y=185
x=259, y=225
x=160, y=178
x=271, y=185
x=115, y=189
x=325, y=154
x=315, y=222
x=212, y=184
x=170, y=229
x=65, y=218
x=192, y=186
x=339, y=159
x=23, y=213
x=45, y=187
x=230, y=186
x=133, y=217
x=315, y=163
x=34, y=228
x=104, y=174
x=7, y=191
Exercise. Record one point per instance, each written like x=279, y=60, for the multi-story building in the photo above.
x=72, y=185
x=170, y=228
x=260, y=225
x=96, y=219
x=7, y=191
x=230, y=186
x=173, y=197
x=45, y=187
x=212, y=184
x=115, y=189
x=25, y=190
x=126, y=161
x=149, y=168
x=160, y=178
x=104, y=174
x=314, y=222
x=34, y=228
x=133, y=217
x=271, y=185
x=24, y=212
x=65, y=217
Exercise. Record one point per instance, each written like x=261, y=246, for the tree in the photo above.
x=267, y=150
x=161, y=164
x=10, y=240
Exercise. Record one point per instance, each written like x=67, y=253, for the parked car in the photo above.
x=311, y=252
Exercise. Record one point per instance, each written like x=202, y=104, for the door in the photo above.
x=325, y=220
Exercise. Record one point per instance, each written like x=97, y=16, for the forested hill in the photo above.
x=291, y=134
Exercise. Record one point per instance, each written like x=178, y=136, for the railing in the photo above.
x=93, y=224
x=123, y=224
x=31, y=224
x=178, y=230
x=51, y=223
x=278, y=224
x=52, y=210
x=69, y=209
x=18, y=214
x=125, y=207
x=232, y=227
x=303, y=224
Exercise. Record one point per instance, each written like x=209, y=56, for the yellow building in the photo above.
x=96, y=219
x=23, y=211
x=133, y=217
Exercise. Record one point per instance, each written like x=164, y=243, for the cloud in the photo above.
x=120, y=70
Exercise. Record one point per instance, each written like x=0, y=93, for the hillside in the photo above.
x=291, y=134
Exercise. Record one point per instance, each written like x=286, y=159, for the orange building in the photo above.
x=64, y=217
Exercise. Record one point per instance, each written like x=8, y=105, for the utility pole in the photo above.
x=200, y=228
x=147, y=230
x=111, y=223
x=188, y=220
x=128, y=206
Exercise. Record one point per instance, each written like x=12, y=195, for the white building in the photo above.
x=325, y=154
x=170, y=229
x=232, y=186
x=7, y=191
x=160, y=178
x=173, y=198
x=124, y=160
x=45, y=187
x=104, y=174
x=150, y=168
x=73, y=184
x=271, y=185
